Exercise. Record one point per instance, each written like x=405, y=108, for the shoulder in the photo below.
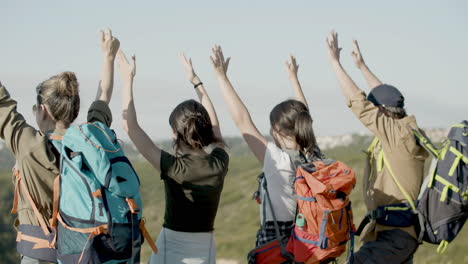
x=276, y=158
x=219, y=153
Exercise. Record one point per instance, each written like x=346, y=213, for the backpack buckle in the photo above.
x=375, y=214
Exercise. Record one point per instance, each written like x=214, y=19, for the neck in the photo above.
x=184, y=149
x=287, y=143
x=60, y=125
x=50, y=126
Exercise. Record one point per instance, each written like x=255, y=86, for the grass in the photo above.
x=237, y=219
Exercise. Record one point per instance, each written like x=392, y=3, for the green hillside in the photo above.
x=238, y=216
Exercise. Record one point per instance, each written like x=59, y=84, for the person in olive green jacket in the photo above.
x=57, y=106
x=395, y=164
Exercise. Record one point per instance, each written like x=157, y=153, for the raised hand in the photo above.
x=188, y=68
x=220, y=65
x=332, y=45
x=109, y=44
x=292, y=67
x=357, y=56
x=127, y=70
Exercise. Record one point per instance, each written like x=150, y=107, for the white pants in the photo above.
x=184, y=247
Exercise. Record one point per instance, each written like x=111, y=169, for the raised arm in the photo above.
x=255, y=140
x=201, y=92
x=371, y=79
x=109, y=46
x=142, y=141
x=292, y=67
x=348, y=87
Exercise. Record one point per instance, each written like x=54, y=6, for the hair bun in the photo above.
x=67, y=84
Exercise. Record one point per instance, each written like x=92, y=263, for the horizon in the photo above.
x=417, y=48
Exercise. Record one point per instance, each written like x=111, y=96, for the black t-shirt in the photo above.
x=193, y=186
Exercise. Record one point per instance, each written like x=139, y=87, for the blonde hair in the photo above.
x=61, y=94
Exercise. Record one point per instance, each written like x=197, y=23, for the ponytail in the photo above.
x=192, y=125
x=61, y=94
x=304, y=134
x=291, y=118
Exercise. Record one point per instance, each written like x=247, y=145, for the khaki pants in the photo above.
x=391, y=246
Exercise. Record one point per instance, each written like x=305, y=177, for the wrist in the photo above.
x=335, y=63
x=221, y=76
x=128, y=80
x=363, y=67
x=195, y=80
x=109, y=57
x=293, y=78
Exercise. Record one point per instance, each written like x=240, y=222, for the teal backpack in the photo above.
x=97, y=211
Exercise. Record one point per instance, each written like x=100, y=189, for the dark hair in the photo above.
x=291, y=118
x=393, y=112
x=192, y=126
x=61, y=94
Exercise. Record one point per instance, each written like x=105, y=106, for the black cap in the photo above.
x=386, y=95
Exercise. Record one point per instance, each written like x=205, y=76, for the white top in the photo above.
x=280, y=173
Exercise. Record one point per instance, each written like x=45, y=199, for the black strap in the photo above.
x=286, y=254
x=363, y=224
x=270, y=204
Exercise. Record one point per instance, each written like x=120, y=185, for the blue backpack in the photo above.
x=97, y=213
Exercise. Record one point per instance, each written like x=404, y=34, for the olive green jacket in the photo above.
x=405, y=155
x=36, y=157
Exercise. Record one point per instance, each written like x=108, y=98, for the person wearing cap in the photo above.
x=394, y=158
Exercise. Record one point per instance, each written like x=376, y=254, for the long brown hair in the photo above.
x=61, y=94
x=192, y=126
x=291, y=118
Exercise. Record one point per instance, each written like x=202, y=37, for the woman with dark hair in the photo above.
x=57, y=106
x=292, y=132
x=193, y=178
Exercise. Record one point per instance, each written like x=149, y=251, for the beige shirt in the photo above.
x=36, y=158
x=405, y=156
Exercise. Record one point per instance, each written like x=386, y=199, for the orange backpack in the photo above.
x=324, y=220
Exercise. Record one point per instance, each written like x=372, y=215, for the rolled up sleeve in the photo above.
x=371, y=117
x=19, y=136
x=99, y=111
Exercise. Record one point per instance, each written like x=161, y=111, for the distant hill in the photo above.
x=238, y=216
x=237, y=145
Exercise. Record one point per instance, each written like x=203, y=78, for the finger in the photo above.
x=190, y=62
x=227, y=63
x=108, y=33
x=134, y=60
x=101, y=35
x=356, y=46
x=212, y=61
x=221, y=55
x=123, y=57
x=182, y=57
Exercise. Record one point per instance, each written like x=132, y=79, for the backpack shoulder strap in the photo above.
x=426, y=143
x=386, y=163
x=24, y=189
x=400, y=186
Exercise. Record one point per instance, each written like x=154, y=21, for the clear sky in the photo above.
x=419, y=46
